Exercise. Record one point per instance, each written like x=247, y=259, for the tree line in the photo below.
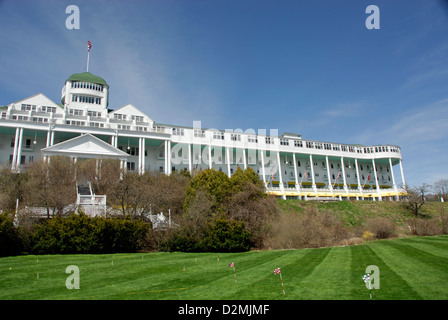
x=214, y=212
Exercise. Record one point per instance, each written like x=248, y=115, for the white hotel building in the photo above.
x=83, y=126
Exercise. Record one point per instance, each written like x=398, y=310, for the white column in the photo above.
x=402, y=174
x=263, y=169
x=393, y=178
x=16, y=146
x=376, y=181
x=19, y=151
x=139, y=156
x=343, y=175
x=169, y=156
x=142, y=151
x=52, y=138
x=296, y=176
x=166, y=156
x=228, y=161
x=357, y=175
x=329, y=175
x=312, y=173
x=190, y=165
x=210, y=162
x=282, y=188
x=392, y=173
x=48, y=137
x=244, y=159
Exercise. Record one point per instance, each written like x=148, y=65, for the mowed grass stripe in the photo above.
x=392, y=285
x=436, y=246
x=410, y=268
x=421, y=278
x=248, y=274
x=328, y=280
x=294, y=266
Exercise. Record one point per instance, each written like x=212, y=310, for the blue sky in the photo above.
x=308, y=67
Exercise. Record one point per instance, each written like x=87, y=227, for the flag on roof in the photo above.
x=89, y=45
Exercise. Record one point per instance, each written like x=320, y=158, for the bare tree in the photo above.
x=417, y=198
x=441, y=188
x=52, y=185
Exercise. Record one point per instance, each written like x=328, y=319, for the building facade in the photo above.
x=83, y=126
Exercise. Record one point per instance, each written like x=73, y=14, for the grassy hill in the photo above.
x=357, y=213
x=410, y=268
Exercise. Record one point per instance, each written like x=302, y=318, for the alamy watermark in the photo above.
x=72, y=281
x=73, y=20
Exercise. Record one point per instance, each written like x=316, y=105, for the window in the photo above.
x=298, y=143
x=199, y=133
x=86, y=99
x=119, y=116
x=218, y=135
x=178, y=131
x=284, y=142
x=309, y=144
x=252, y=139
x=140, y=128
x=269, y=140
x=48, y=109
x=75, y=112
x=138, y=118
x=235, y=137
x=97, y=125
x=87, y=85
x=130, y=166
x=124, y=127
x=94, y=114
x=75, y=123
x=28, y=107
x=40, y=119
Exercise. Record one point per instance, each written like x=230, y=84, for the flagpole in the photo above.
x=89, y=46
x=88, y=57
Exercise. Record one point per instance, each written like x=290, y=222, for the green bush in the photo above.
x=10, y=241
x=220, y=236
x=79, y=233
x=227, y=236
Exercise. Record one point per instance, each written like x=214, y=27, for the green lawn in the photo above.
x=410, y=268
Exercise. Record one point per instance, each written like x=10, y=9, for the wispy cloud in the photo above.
x=350, y=109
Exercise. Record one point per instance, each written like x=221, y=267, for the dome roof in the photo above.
x=87, y=77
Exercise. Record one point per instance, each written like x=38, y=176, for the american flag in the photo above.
x=277, y=271
x=368, y=177
x=231, y=265
x=89, y=45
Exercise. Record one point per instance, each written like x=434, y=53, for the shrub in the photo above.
x=226, y=236
x=310, y=230
x=381, y=227
x=79, y=233
x=10, y=241
x=367, y=236
x=221, y=235
x=425, y=226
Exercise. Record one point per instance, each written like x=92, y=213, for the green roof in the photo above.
x=87, y=77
